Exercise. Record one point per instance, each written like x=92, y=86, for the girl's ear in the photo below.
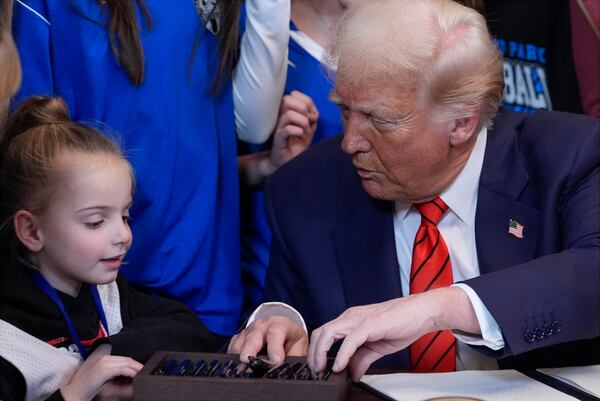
x=27, y=230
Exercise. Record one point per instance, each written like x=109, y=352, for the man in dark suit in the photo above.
x=422, y=192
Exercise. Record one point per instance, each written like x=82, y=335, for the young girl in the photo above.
x=147, y=69
x=68, y=323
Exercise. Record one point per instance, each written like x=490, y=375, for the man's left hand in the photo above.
x=372, y=331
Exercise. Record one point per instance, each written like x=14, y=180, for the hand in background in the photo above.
x=281, y=335
x=295, y=129
x=99, y=368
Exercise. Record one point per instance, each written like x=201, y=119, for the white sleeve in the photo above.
x=491, y=336
x=278, y=309
x=260, y=74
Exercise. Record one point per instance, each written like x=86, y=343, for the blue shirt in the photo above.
x=179, y=139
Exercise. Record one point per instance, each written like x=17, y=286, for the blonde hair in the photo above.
x=38, y=131
x=10, y=66
x=438, y=49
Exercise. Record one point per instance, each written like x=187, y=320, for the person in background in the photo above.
x=585, y=35
x=312, y=26
x=159, y=74
x=10, y=66
x=438, y=232
x=69, y=324
x=550, y=52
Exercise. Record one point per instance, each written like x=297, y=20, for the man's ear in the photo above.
x=464, y=129
x=28, y=231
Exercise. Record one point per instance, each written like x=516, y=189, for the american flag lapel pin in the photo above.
x=515, y=228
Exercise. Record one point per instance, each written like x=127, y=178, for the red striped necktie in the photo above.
x=431, y=268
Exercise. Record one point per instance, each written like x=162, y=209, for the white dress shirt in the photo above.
x=457, y=227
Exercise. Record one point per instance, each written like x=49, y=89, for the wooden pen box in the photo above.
x=150, y=386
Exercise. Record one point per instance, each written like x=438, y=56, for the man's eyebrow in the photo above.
x=334, y=97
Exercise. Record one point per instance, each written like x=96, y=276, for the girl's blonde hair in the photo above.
x=37, y=132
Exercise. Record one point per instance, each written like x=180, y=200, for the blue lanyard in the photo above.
x=41, y=282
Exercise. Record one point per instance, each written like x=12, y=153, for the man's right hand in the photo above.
x=281, y=335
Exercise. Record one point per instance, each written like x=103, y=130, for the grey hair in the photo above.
x=439, y=49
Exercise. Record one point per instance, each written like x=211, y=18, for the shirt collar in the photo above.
x=461, y=194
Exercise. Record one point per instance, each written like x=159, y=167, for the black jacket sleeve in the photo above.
x=152, y=323
x=12, y=382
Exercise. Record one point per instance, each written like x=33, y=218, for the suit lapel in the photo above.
x=366, y=254
x=502, y=183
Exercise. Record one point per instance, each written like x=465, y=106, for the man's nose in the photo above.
x=354, y=140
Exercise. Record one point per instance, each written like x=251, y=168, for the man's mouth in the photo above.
x=366, y=174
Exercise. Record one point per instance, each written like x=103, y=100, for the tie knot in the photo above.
x=432, y=211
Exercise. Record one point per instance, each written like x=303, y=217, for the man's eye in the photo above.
x=382, y=122
x=345, y=111
x=94, y=224
x=126, y=219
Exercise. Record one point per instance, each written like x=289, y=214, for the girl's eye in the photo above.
x=94, y=224
x=126, y=219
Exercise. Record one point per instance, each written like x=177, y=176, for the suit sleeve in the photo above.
x=555, y=298
x=32, y=34
x=283, y=283
x=152, y=323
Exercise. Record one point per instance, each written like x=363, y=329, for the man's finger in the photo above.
x=298, y=347
x=321, y=344
x=276, y=336
x=349, y=346
x=236, y=342
x=360, y=362
x=254, y=342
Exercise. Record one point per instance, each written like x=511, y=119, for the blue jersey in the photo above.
x=179, y=139
x=307, y=75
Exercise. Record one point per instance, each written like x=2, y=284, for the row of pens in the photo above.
x=257, y=368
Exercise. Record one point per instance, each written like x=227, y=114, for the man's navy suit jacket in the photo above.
x=333, y=245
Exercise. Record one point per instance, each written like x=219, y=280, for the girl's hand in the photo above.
x=98, y=369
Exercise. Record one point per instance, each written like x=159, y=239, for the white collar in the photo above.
x=461, y=194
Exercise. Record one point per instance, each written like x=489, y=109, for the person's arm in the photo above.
x=32, y=33
x=554, y=298
x=296, y=126
x=152, y=323
x=259, y=77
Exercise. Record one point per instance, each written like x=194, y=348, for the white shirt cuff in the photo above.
x=491, y=336
x=277, y=309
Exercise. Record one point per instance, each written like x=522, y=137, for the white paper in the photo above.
x=586, y=378
x=488, y=385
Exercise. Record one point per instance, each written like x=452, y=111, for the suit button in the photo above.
x=529, y=336
x=556, y=327
x=547, y=330
x=539, y=334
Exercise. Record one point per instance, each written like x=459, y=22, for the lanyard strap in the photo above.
x=41, y=282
